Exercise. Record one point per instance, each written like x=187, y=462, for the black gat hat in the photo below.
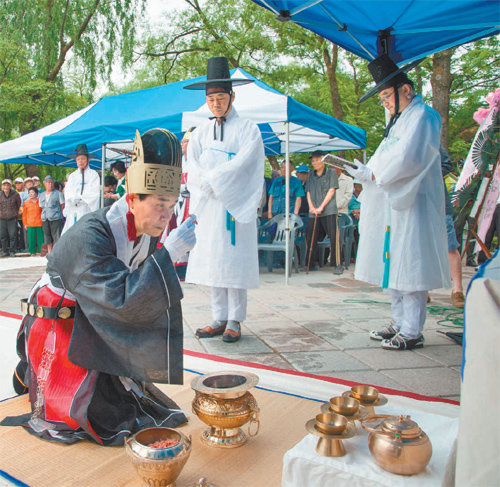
x=218, y=76
x=386, y=73
x=81, y=150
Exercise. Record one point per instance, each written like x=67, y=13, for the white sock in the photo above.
x=233, y=325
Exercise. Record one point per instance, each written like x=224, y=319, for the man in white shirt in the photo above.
x=344, y=192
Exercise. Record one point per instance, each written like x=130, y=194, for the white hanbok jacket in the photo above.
x=78, y=202
x=408, y=195
x=234, y=170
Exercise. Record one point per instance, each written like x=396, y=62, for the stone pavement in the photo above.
x=319, y=324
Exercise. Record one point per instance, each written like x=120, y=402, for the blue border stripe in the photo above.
x=12, y=479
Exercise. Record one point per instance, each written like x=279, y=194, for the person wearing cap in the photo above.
x=225, y=164
x=52, y=205
x=37, y=184
x=82, y=192
x=105, y=320
x=28, y=183
x=354, y=209
x=402, y=244
x=10, y=203
x=19, y=185
x=321, y=187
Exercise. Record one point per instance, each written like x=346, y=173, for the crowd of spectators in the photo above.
x=325, y=196
x=31, y=216
x=319, y=195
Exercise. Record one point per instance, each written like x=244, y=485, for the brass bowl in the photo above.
x=346, y=406
x=365, y=393
x=331, y=423
x=158, y=467
x=222, y=401
x=224, y=413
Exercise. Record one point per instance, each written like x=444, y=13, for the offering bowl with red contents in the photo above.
x=158, y=455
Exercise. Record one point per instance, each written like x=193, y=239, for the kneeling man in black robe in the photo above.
x=105, y=320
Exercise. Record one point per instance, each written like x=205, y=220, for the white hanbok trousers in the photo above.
x=408, y=311
x=229, y=304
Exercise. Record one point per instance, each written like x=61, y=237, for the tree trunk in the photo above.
x=274, y=162
x=31, y=170
x=331, y=63
x=441, y=79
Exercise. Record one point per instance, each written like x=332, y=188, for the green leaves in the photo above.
x=37, y=41
x=53, y=53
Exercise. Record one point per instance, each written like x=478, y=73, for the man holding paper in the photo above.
x=403, y=244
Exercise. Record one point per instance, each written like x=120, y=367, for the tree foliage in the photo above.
x=41, y=38
x=93, y=31
x=284, y=55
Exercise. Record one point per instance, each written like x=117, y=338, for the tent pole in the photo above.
x=103, y=158
x=364, y=156
x=287, y=202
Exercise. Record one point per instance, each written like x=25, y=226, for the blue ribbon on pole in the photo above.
x=386, y=257
x=233, y=231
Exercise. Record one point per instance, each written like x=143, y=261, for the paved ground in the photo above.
x=319, y=323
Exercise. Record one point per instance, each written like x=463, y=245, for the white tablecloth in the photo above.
x=302, y=466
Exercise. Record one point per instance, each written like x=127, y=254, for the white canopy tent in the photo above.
x=286, y=125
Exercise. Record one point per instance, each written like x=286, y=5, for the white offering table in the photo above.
x=302, y=466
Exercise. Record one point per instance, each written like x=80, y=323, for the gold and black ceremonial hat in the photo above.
x=156, y=165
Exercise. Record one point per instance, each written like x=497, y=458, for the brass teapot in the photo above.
x=398, y=445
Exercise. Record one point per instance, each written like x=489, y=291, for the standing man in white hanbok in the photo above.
x=83, y=189
x=225, y=164
x=403, y=243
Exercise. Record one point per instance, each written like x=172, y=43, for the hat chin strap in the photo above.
x=223, y=118
x=396, y=114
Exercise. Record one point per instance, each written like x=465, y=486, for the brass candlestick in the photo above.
x=331, y=429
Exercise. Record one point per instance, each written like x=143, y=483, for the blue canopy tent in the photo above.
x=108, y=126
x=113, y=120
x=404, y=29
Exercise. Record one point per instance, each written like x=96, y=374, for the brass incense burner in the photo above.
x=331, y=429
x=158, y=467
x=222, y=401
x=398, y=445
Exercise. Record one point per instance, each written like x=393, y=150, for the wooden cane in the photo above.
x=312, y=243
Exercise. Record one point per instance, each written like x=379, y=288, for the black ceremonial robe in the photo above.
x=127, y=333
